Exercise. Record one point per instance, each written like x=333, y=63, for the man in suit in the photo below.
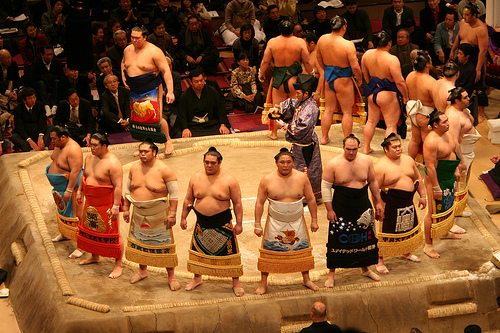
x=115, y=106
x=446, y=32
x=75, y=114
x=31, y=131
x=9, y=81
x=75, y=80
x=431, y=16
x=46, y=72
x=115, y=53
x=196, y=48
x=106, y=67
x=394, y=17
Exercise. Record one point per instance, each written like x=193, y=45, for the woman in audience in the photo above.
x=247, y=43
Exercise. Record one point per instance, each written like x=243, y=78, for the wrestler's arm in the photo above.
x=379, y=172
x=162, y=64
x=126, y=202
x=422, y=202
x=234, y=187
x=375, y=190
x=364, y=68
x=188, y=200
x=116, y=176
x=124, y=79
x=79, y=193
x=461, y=166
x=304, y=56
x=455, y=126
x=456, y=42
x=329, y=176
x=430, y=150
x=266, y=60
x=259, y=206
x=353, y=62
x=170, y=177
x=75, y=162
x=311, y=202
x=483, y=41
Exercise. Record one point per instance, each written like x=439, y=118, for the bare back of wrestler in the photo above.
x=343, y=95
x=148, y=181
x=142, y=57
x=381, y=64
x=441, y=91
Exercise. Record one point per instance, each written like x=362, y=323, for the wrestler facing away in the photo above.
x=396, y=170
x=444, y=85
x=382, y=71
x=212, y=191
x=337, y=68
x=285, y=185
x=67, y=160
x=103, y=168
x=420, y=87
x=438, y=145
x=284, y=51
x=354, y=171
x=143, y=57
x=151, y=179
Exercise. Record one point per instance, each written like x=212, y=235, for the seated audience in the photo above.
x=319, y=322
x=10, y=9
x=79, y=82
x=169, y=15
x=286, y=7
x=161, y=38
x=320, y=25
x=201, y=111
x=417, y=35
x=194, y=8
x=54, y=23
x=274, y=18
x=98, y=46
x=237, y=14
x=31, y=131
x=115, y=106
x=113, y=25
x=115, y=53
x=244, y=94
x=31, y=47
x=403, y=48
x=105, y=67
x=394, y=16
x=358, y=24
x=196, y=49
x=46, y=73
x=248, y=44
x=9, y=82
x=129, y=16
x=446, y=32
x=433, y=14
x=75, y=115
x=298, y=31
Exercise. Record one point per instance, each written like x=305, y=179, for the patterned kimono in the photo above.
x=302, y=118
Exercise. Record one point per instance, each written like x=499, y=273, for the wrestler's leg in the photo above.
x=345, y=96
x=371, y=123
x=415, y=141
x=391, y=115
x=94, y=259
x=237, y=289
x=428, y=249
x=172, y=281
x=118, y=270
x=169, y=146
x=278, y=97
x=330, y=279
x=140, y=275
x=380, y=266
x=368, y=273
x=263, y=284
x=306, y=281
x=197, y=281
x=327, y=118
x=422, y=122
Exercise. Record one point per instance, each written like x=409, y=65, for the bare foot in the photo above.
x=116, y=273
x=58, y=238
x=371, y=275
x=76, y=254
x=90, y=260
x=451, y=235
x=309, y=284
x=169, y=147
x=261, y=290
x=367, y=152
x=457, y=229
x=193, y=284
x=174, y=285
x=381, y=268
x=272, y=137
x=411, y=257
x=238, y=291
x=329, y=283
x=138, y=277
x=324, y=141
x=429, y=250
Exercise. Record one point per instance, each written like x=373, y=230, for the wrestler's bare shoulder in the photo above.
x=166, y=171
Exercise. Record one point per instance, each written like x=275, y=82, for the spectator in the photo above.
x=194, y=8
x=115, y=53
x=273, y=20
x=129, y=17
x=169, y=15
x=358, y=24
x=46, y=73
x=103, y=10
x=10, y=9
x=79, y=82
x=403, y=48
x=5, y=44
x=161, y=38
x=9, y=82
x=320, y=25
x=244, y=94
x=417, y=35
x=248, y=44
x=75, y=115
x=480, y=6
x=31, y=131
x=318, y=317
x=446, y=32
x=115, y=106
x=195, y=48
x=201, y=111
x=467, y=74
x=106, y=67
x=286, y=7
x=237, y=14
x=394, y=17
x=113, y=25
x=98, y=46
x=433, y=14
x=54, y=23
x=31, y=47
x=298, y=31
